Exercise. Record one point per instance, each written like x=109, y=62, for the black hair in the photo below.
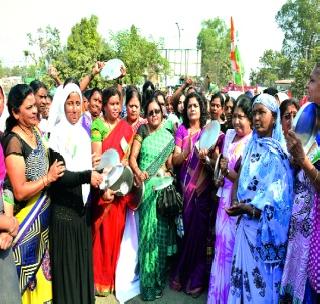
x=158, y=93
x=220, y=96
x=271, y=91
x=71, y=80
x=16, y=96
x=36, y=85
x=87, y=93
x=131, y=92
x=92, y=91
x=286, y=103
x=109, y=92
x=203, y=109
x=147, y=92
x=244, y=102
x=175, y=103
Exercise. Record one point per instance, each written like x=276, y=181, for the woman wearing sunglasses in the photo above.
x=288, y=111
x=152, y=147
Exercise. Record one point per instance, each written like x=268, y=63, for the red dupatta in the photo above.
x=109, y=219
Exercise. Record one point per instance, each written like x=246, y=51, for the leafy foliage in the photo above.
x=214, y=41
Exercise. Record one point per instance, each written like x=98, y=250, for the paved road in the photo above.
x=172, y=297
x=169, y=297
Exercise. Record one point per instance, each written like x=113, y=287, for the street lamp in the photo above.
x=179, y=33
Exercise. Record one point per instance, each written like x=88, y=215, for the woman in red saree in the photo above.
x=109, y=131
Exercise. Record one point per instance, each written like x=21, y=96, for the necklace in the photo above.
x=111, y=126
x=29, y=134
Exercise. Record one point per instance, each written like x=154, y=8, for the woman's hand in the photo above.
x=5, y=240
x=125, y=162
x=95, y=160
x=98, y=66
x=238, y=209
x=224, y=165
x=14, y=226
x=55, y=171
x=295, y=148
x=123, y=72
x=202, y=154
x=108, y=195
x=96, y=179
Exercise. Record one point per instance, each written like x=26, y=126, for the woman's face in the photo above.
x=113, y=108
x=133, y=109
x=72, y=108
x=154, y=115
x=313, y=86
x=169, y=106
x=228, y=110
x=241, y=122
x=263, y=120
x=95, y=104
x=286, y=120
x=193, y=110
x=27, y=114
x=181, y=104
x=216, y=109
x=41, y=99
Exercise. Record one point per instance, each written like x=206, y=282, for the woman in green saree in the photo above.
x=151, y=155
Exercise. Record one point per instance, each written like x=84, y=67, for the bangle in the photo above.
x=43, y=183
x=253, y=211
x=184, y=157
x=12, y=219
x=227, y=173
x=47, y=179
x=234, y=202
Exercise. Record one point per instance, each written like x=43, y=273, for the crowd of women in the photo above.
x=249, y=235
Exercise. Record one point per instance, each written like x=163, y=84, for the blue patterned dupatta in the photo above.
x=31, y=243
x=266, y=182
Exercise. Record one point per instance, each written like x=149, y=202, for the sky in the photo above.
x=253, y=19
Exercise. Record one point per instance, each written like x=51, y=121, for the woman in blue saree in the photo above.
x=263, y=197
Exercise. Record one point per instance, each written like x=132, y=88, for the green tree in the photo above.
x=214, y=41
x=274, y=65
x=85, y=46
x=44, y=48
x=300, y=22
x=138, y=54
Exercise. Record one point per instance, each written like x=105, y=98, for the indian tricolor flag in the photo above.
x=235, y=58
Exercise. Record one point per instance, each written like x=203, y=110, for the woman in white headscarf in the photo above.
x=70, y=234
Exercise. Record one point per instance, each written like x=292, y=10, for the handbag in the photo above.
x=169, y=202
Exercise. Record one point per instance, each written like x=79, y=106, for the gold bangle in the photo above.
x=43, y=183
x=253, y=211
x=184, y=157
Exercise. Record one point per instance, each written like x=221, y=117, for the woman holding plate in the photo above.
x=262, y=197
x=109, y=131
x=151, y=154
x=301, y=280
x=191, y=271
x=234, y=144
x=30, y=174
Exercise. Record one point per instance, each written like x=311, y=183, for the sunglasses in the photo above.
x=154, y=112
x=288, y=116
